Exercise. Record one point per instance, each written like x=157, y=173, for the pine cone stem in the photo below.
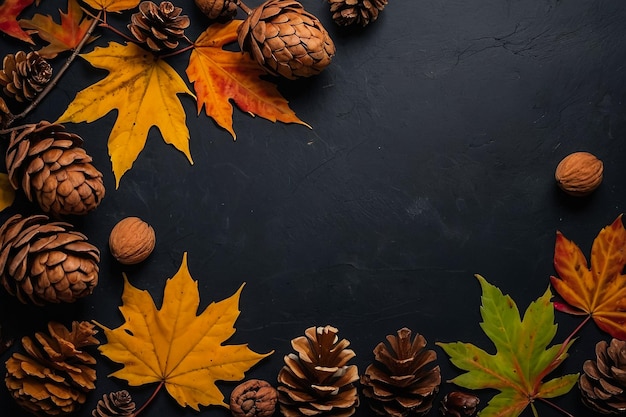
x=59, y=74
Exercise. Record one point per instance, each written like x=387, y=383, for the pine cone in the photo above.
x=286, y=40
x=54, y=375
x=318, y=381
x=356, y=12
x=603, y=381
x=118, y=403
x=221, y=10
x=23, y=75
x=54, y=170
x=401, y=382
x=44, y=261
x=160, y=27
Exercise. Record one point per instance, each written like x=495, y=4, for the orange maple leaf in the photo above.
x=599, y=291
x=9, y=10
x=176, y=347
x=63, y=37
x=219, y=75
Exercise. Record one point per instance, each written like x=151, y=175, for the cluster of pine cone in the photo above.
x=318, y=379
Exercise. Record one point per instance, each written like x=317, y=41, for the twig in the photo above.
x=243, y=7
x=14, y=128
x=60, y=73
x=556, y=407
x=158, y=388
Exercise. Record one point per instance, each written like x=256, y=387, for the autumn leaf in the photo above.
x=9, y=10
x=60, y=37
x=143, y=88
x=522, y=359
x=7, y=192
x=219, y=76
x=112, y=5
x=174, y=346
x=599, y=291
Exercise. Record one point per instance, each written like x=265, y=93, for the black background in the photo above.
x=435, y=135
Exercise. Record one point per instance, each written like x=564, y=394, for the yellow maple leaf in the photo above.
x=174, y=346
x=143, y=88
x=220, y=75
x=7, y=192
x=112, y=5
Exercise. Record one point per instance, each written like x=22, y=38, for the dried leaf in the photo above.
x=7, y=192
x=599, y=291
x=522, y=359
x=9, y=10
x=220, y=75
x=112, y=5
x=143, y=88
x=63, y=37
x=174, y=346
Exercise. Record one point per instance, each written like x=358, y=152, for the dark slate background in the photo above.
x=435, y=135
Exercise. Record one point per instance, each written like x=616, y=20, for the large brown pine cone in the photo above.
x=55, y=374
x=53, y=169
x=317, y=381
x=603, y=381
x=44, y=261
x=286, y=40
x=160, y=27
x=24, y=75
x=402, y=381
x=118, y=403
x=356, y=12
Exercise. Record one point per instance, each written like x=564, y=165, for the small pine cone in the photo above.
x=603, y=381
x=54, y=170
x=459, y=404
x=401, y=382
x=118, y=403
x=222, y=10
x=318, y=381
x=55, y=375
x=160, y=27
x=286, y=40
x=356, y=12
x=42, y=261
x=24, y=75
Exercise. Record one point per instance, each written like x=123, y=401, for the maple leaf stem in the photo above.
x=156, y=391
x=556, y=407
x=59, y=74
x=243, y=7
x=179, y=51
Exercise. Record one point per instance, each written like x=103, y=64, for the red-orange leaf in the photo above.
x=9, y=10
x=599, y=291
x=63, y=37
x=220, y=75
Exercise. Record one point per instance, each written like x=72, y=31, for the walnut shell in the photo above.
x=253, y=398
x=579, y=173
x=132, y=240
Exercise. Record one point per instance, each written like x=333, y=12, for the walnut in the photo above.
x=253, y=398
x=459, y=404
x=579, y=173
x=132, y=240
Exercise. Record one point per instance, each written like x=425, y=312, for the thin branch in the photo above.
x=15, y=128
x=556, y=407
x=60, y=73
x=243, y=7
x=158, y=388
x=179, y=51
x=117, y=32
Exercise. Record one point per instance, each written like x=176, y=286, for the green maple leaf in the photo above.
x=522, y=359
